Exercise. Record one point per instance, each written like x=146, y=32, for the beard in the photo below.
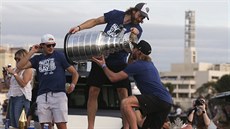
x=133, y=19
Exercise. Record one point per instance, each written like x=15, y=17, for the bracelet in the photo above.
x=79, y=27
x=103, y=66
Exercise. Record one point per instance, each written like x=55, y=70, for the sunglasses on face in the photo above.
x=49, y=45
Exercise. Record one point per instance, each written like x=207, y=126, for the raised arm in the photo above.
x=24, y=63
x=207, y=120
x=190, y=116
x=26, y=76
x=88, y=24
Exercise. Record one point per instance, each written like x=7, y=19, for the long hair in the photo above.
x=21, y=52
x=145, y=57
x=130, y=10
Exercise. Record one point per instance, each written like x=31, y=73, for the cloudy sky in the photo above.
x=25, y=21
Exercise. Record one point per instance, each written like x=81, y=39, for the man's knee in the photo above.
x=94, y=92
x=125, y=103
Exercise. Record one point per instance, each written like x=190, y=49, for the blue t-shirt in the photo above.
x=50, y=71
x=114, y=20
x=147, y=79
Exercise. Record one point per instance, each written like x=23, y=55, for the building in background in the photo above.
x=186, y=77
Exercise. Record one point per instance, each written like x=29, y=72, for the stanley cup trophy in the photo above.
x=82, y=46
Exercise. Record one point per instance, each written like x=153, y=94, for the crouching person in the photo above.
x=150, y=109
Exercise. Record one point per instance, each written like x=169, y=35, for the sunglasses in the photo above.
x=49, y=45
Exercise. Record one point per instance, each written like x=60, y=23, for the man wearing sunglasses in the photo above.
x=115, y=21
x=50, y=67
x=47, y=44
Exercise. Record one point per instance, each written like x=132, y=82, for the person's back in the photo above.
x=148, y=80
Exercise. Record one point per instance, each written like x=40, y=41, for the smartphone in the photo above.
x=9, y=65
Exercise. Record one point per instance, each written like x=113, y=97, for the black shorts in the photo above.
x=155, y=110
x=98, y=78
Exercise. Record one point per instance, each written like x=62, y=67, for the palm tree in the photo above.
x=223, y=84
x=170, y=87
x=207, y=90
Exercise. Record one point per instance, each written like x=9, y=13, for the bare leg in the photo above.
x=140, y=119
x=92, y=105
x=127, y=111
x=123, y=93
x=61, y=125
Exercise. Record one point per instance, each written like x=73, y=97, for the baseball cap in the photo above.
x=143, y=8
x=144, y=47
x=47, y=38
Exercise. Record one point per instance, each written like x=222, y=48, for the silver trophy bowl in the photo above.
x=82, y=46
